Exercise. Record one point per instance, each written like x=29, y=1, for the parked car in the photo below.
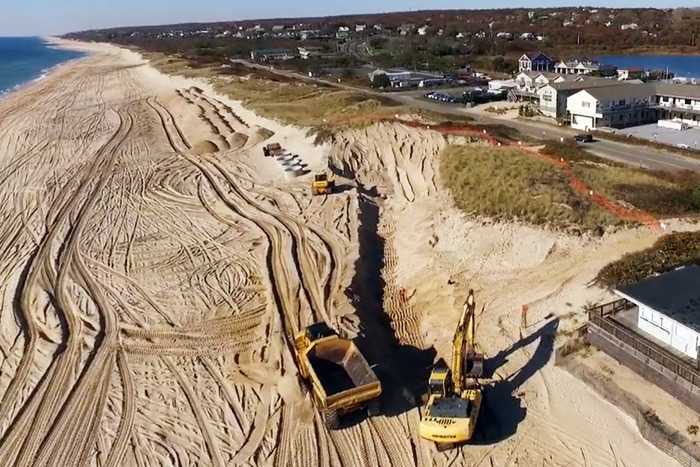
x=584, y=138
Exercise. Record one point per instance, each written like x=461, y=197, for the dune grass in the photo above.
x=658, y=193
x=287, y=100
x=508, y=184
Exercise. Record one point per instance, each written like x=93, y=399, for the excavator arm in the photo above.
x=465, y=361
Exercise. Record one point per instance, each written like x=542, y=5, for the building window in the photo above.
x=585, y=104
x=687, y=102
x=547, y=98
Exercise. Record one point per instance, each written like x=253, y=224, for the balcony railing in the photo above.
x=680, y=108
x=680, y=366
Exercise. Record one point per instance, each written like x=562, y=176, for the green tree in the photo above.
x=381, y=81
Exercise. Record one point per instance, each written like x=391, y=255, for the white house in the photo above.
x=611, y=106
x=360, y=27
x=669, y=308
x=630, y=72
x=625, y=27
x=553, y=96
x=530, y=81
x=579, y=67
x=423, y=30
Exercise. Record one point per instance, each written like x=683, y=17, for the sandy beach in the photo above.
x=155, y=265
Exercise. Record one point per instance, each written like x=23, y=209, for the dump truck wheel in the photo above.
x=330, y=417
x=374, y=408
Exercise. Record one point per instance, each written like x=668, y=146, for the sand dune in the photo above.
x=156, y=265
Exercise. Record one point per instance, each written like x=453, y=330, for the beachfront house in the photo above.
x=630, y=72
x=535, y=61
x=580, y=67
x=668, y=308
x=611, y=106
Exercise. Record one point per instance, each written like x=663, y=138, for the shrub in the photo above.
x=668, y=252
x=696, y=197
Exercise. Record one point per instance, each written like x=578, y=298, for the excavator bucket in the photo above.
x=474, y=365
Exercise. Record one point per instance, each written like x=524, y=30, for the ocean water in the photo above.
x=684, y=66
x=25, y=59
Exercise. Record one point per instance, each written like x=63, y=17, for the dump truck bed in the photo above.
x=342, y=371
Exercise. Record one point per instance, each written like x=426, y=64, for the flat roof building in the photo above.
x=669, y=308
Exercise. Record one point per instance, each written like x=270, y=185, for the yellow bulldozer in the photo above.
x=323, y=184
x=455, y=394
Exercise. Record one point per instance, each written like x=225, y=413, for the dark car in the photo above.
x=584, y=138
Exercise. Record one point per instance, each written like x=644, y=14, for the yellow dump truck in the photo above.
x=340, y=378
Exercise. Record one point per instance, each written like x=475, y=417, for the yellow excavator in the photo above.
x=455, y=394
x=323, y=184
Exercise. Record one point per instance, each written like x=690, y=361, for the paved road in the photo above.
x=634, y=155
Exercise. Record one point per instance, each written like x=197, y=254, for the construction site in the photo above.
x=186, y=282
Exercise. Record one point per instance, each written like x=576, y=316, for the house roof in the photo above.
x=675, y=294
x=636, y=69
x=534, y=55
x=550, y=75
x=272, y=51
x=630, y=90
x=678, y=90
x=582, y=64
x=585, y=84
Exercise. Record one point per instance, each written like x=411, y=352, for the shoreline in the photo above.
x=53, y=43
